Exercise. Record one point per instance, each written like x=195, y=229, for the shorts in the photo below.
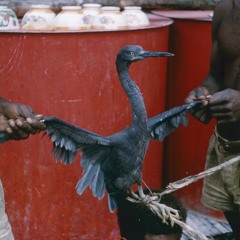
x=221, y=190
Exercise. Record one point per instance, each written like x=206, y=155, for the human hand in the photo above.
x=19, y=120
x=203, y=114
x=225, y=106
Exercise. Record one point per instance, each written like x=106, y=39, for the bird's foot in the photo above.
x=152, y=201
x=142, y=197
x=146, y=199
x=167, y=214
x=133, y=197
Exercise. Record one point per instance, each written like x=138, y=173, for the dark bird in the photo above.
x=114, y=163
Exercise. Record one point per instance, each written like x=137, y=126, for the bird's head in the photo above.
x=133, y=53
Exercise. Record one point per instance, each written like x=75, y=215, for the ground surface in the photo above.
x=219, y=230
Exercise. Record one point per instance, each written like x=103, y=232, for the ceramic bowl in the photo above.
x=110, y=18
x=135, y=17
x=71, y=18
x=38, y=17
x=90, y=11
x=8, y=19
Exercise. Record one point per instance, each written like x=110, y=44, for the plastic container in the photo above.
x=72, y=75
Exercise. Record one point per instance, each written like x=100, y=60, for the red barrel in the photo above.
x=186, y=148
x=73, y=76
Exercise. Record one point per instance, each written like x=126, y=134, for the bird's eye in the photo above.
x=132, y=54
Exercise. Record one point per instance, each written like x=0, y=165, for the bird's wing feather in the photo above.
x=93, y=176
x=163, y=124
x=4, y=137
x=68, y=139
x=98, y=184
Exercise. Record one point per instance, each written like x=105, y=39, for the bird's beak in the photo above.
x=147, y=54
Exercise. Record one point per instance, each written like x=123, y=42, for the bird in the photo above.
x=114, y=163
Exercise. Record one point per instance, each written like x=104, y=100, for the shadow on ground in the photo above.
x=223, y=236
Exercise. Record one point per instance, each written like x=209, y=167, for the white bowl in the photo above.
x=110, y=18
x=135, y=16
x=38, y=17
x=71, y=18
x=8, y=19
x=91, y=10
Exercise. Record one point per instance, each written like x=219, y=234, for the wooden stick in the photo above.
x=191, y=179
x=168, y=214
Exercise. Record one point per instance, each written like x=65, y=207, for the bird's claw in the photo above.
x=148, y=199
x=134, y=195
x=141, y=197
x=167, y=214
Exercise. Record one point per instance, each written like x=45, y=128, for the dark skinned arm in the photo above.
x=214, y=80
x=19, y=120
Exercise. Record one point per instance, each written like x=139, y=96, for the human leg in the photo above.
x=5, y=228
x=214, y=194
x=221, y=190
x=233, y=218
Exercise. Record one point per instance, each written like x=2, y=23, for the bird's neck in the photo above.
x=139, y=114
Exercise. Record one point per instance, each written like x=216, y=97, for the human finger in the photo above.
x=15, y=132
x=191, y=97
x=36, y=123
x=25, y=126
x=26, y=111
x=202, y=93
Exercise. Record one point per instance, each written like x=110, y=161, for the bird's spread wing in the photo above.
x=163, y=124
x=68, y=139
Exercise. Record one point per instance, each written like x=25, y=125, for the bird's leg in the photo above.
x=140, y=197
x=140, y=192
x=146, y=198
x=154, y=195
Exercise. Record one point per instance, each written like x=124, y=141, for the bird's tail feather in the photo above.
x=114, y=199
x=112, y=203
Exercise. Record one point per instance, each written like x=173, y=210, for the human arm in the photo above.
x=214, y=80
x=18, y=120
x=224, y=103
x=225, y=106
